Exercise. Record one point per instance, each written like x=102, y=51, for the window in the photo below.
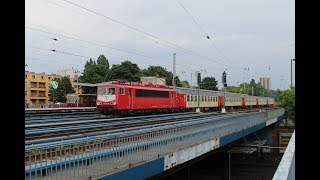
x=111, y=91
x=202, y=99
x=41, y=77
x=25, y=93
x=188, y=98
x=151, y=93
x=195, y=98
x=122, y=91
x=191, y=97
x=33, y=76
x=102, y=90
x=49, y=77
x=26, y=76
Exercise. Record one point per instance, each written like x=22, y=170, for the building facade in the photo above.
x=266, y=82
x=37, y=88
x=153, y=80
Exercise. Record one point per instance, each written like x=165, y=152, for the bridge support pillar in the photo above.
x=188, y=173
x=227, y=166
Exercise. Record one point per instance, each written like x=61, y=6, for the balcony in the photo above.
x=42, y=85
x=33, y=85
x=38, y=97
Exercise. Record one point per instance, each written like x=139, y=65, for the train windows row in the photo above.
x=233, y=99
x=202, y=98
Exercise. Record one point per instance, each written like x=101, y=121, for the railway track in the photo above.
x=39, y=131
x=71, y=126
x=108, y=137
x=50, y=145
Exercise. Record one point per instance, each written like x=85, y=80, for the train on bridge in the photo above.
x=120, y=97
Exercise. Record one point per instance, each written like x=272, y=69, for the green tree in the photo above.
x=125, y=71
x=88, y=63
x=64, y=87
x=95, y=73
x=287, y=101
x=233, y=89
x=258, y=90
x=184, y=84
x=252, y=82
x=103, y=61
x=209, y=83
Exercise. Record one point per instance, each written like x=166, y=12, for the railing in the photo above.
x=103, y=154
x=286, y=168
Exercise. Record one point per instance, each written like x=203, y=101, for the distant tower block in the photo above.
x=153, y=80
x=266, y=82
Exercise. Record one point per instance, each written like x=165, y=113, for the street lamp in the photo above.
x=291, y=70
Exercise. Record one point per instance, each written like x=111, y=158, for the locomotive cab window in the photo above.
x=111, y=91
x=102, y=90
x=122, y=91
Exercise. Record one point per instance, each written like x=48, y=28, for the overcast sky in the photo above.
x=254, y=34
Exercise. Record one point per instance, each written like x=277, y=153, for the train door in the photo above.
x=220, y=101
x=171, y=98
x=243, y=102
x=130, y=96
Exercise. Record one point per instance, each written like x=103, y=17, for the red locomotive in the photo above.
x=131, y=97
x=121, y=97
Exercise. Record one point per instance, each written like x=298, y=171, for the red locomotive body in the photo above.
x=120, y=96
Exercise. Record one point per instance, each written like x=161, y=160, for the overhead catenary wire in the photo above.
x=105, y=46
x=127, y=31
x=206, y=34
x=163, y=41
x=140, y=35
x=53, y=50
x=92, y=43
x=143, y=32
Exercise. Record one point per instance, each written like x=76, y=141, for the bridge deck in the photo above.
x=140, y=154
